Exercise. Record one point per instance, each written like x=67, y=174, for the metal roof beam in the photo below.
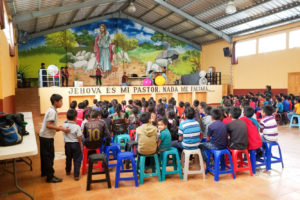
x=148, y=11
x=197, y=46
x=76, y=12
x=197, y=21
x=164, y=17
x=57, y=15
x=64, y=27
x=12, y=7
x=37, y=19
x=24, y=17
x=268, y=13
x=267, y=26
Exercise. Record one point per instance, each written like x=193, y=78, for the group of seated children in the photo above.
x=159, y=125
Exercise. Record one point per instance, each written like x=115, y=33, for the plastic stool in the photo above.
x=270, y=159
x=84, y=161
x=257, y=162
x=176, y=163
x=297, y=124
x=126, y=156
x=114, y=150
x=238, y=162
x=185, y=159
x=219, y=156
x=122, y=140
x=96, y=158
x=141, y=167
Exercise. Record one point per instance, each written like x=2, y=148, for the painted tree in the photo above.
x=167, y=40
x=86, y=39
x=194, y=57
x=62, y=39
x=121, y=41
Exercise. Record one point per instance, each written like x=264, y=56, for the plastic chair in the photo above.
x=238, y=162
x=176, y=163
x=270, y=159
x=122, y=140
x=298, y=121
x=141, y=167
x=112, y=150
x=185, y=159
x=132, y=133
x=84, y=161
x=126, y=156
x=219, y=156
x=96, y=158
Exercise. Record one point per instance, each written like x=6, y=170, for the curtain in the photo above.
x=2, y=23
x=234, y=59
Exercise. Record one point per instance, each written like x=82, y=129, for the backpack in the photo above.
x=119, y=126
x=9, y=133
x=18, y=118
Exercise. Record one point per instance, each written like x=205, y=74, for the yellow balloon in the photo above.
x=160, y=80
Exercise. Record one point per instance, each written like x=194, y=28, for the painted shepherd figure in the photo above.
x=103, y=50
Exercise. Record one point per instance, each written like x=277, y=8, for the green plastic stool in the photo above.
x=175, y=163
x=141, y=167
x=122, y=140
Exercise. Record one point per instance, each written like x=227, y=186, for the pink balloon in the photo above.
x=147, y=82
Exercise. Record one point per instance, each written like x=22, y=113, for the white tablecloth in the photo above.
x=28, y=147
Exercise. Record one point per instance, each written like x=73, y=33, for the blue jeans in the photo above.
x=206, y=146
x=177, y=145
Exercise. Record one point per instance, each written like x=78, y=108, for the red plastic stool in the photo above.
x=238, y=162
x=85, y=160
x=132, y=134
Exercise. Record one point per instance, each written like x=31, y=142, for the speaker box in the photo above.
x=226, y=51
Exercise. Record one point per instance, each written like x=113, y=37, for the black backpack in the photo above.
x=9, y=132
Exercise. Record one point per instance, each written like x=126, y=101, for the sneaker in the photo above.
x=76, y=178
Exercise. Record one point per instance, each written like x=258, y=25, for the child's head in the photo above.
x=248, y=111
x=216, y=114
x=123, y=103
x=145, y=117
x=86, y=102
x=104, y=113
x=145, y=104
x=196, y=103
x=235, y=112
x=181, y=104
x=135, y=110
x=189, y=112
x=130, y=102
x=278, y=99
x=95, y=114
x=95, y=101
x=267, y=110
x=87, y=114
x=171, y=114
x=56, y=100
x=187, y=104
x=71, y=115
x=207, y=110
x=81, y=105
x=73, y=105
x=298, y=100
x=227, y=103
x=151, y=109
x=162, y=123
x=226, y=112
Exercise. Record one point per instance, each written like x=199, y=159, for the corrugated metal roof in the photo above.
x=251, y=14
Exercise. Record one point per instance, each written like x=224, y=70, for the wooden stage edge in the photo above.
x=212, y=94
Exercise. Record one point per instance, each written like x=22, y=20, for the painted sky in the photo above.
x=113, y=25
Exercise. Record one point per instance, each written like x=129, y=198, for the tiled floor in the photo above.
x=281, y=184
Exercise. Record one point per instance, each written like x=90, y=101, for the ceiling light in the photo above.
x=131, y=8
x=230, y=9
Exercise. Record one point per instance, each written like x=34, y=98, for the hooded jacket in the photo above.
x=147, y=139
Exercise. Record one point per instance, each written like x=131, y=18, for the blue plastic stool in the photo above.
x=297, y=124
x=122, y=140
x=175, y=163
x=257, y=162
x=270, y=159
x=126, y=156
x=141, y=167
x=114, y=150
x=111, y=142
x=219, y=156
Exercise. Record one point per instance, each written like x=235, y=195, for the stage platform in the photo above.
x=212, y=94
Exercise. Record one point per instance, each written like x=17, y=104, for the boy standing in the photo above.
x=146, y=135
x=268, y=125
x=46, y=136
x=73, y=144
x=237, y=130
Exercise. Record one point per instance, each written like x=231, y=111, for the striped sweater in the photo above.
x=268, y=125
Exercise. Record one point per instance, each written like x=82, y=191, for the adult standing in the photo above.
x=98, y=76
x=102, y=50
x=66, y=76
x=124, y=79
x=44, y=75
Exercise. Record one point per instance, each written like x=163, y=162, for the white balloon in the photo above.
x=52, y=70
